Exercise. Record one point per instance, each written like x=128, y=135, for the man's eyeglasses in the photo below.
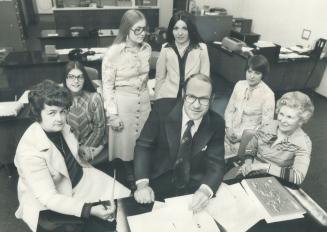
x=202, y=100
x=73, y=77
x=138, y=30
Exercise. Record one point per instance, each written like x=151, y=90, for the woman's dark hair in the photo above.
x=259, y=63
x=193, y=33
x=49, y=93
x=77, y=65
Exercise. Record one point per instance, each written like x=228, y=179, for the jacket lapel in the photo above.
x=203, y=135
x=173, y=125
x=56, y=160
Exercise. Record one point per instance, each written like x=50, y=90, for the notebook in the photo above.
x=277, y=203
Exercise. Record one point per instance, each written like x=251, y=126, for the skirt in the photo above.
x=133, y=109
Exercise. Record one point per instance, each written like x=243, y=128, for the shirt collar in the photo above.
x=185, y=119
x=297, y=138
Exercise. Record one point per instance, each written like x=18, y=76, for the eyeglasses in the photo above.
x=73, y=77
x=204, y=101
x=138, y=30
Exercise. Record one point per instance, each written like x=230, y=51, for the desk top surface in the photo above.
x=130, y=207
x=30, y=58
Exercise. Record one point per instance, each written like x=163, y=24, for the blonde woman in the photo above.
x=125, y=70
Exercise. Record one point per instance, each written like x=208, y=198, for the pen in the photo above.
x=111, y=199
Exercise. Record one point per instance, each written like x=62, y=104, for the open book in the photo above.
x=277, y=203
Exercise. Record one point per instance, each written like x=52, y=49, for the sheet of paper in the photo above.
x=155, y=221
x=232, y=209
x=24, y=98
x=158, y=205
x=185, y=220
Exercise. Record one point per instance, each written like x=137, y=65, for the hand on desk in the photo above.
x=247, y=168
x=200, y=200
x=104, y=213
x=144, y=193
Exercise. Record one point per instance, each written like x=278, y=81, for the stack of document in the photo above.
x=173, y=216
x=233, y=209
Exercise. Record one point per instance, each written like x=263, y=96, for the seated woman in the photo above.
x=86, y=115
x=281, y=148
x=52, y=176
x=251, y=104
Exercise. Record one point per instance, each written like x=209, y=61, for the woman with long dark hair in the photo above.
x=184, y=54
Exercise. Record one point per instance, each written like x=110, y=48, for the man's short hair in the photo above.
x=200, y=77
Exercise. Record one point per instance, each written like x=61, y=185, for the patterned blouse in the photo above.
x=289, y=158
x=249, y=108
x=87, y=120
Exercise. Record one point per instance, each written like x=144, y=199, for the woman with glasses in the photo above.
x=125, y=68
x=182, y=56
x=251, y=104
x=86, y=115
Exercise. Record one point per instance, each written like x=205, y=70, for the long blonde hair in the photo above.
x=128, y=20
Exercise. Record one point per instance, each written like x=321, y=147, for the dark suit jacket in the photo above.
x=156, y=149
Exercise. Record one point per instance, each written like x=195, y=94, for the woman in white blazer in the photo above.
x=182, y=56
x=52, y=176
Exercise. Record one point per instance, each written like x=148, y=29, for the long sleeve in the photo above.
x=268, y=108
x=230, y=109
x=109, y=72
x=205, y=62
x=297, y=172
x=35, y=172
x=98, y=120
x=145, y=146
x=161, y=71
x=215, y=162
x=251, y=148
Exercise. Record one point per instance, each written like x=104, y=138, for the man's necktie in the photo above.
x=182, y=168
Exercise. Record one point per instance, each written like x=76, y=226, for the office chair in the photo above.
x=94, y=77
x=233, y=163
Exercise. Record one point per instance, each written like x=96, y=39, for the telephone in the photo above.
x=78, y=54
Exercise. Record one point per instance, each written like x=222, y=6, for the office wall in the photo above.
x=165, y=12
x=281, y=21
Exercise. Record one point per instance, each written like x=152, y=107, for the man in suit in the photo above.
x=181, y=147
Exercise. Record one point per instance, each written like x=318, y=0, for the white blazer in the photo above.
x=167, y=69
x=44, y=181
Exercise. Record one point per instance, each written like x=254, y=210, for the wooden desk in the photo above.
x=285, y=75
x=85, y=39
x=129, y=207
x=25, y=69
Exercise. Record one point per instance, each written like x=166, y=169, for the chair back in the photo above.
x=245, y=139
x=92, y=73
